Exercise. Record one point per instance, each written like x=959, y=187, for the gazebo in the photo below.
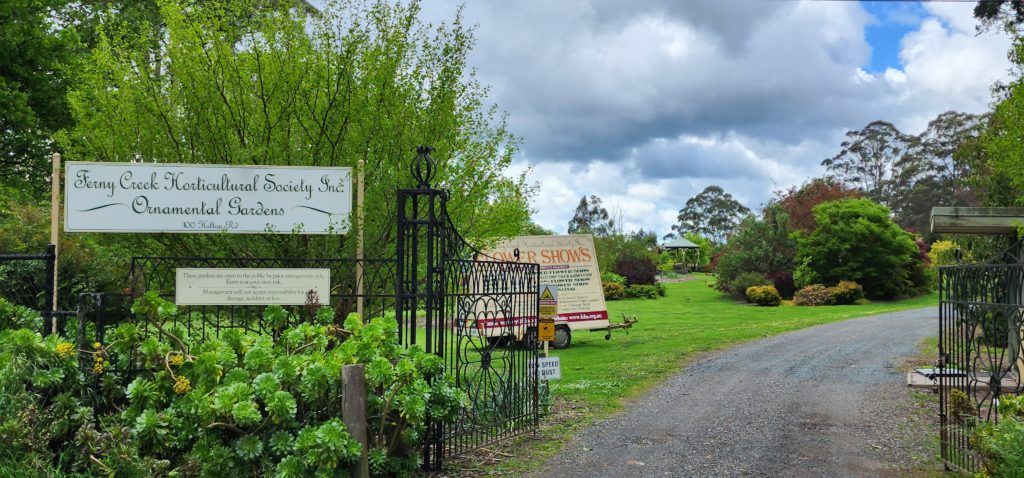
x=681, y=243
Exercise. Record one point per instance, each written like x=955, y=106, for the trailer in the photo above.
x=568, y=262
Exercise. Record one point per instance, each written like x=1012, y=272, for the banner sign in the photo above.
x=155, y=197
x=277, y=286
x=569, y=264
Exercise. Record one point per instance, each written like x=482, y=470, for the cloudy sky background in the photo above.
x=645, y=103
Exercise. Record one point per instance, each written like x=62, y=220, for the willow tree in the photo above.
x=241, y=82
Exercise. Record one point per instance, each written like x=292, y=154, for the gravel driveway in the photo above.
x=824, y=401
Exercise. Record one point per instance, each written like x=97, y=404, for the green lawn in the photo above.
x=691, y=318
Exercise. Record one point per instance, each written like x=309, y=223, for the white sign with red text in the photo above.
x=569, y=263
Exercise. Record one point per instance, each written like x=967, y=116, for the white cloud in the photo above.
x=645, y=103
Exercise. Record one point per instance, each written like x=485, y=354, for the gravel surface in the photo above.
x=828, y=401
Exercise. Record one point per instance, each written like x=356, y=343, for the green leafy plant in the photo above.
x=613, y=290
x=813, y=295
x=240, y=404
x=765, y=295
x=1000, y=445
x=745, y=281
x=644, y=291
x=856, y=239
x=845, y=293
x=613, y=277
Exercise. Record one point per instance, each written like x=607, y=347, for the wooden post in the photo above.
x=360, y=177
x=353, y=413
x=54, y=232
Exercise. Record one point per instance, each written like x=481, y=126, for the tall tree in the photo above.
x=712, y=213
x=999, y=13
x=361, y=81
x=875, y=160
x=36, y=53
x=591, y=218
x=798, y=202
x=939, y=146
x=998, y=155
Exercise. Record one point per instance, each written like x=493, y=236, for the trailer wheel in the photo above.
x=563, y=337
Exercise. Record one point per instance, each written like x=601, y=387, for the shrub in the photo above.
x=744, y=281
x=613, y=277
x=783, y=281
x=856, y=239
x=1001, y=445
x=764, y=295
x=613, y=290
x=661, y=289
x=645, y=291
x=637, y=270
x=760, y=244
x=614, y=248
x=243, y=404
x=814, y=294
x=943, y=253
x=845, y=293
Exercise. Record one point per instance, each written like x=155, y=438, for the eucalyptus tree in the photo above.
x=874, y=160
x=355, y=83
x=591, y=217
x=713, y=213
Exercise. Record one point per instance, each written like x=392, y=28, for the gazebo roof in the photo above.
x=680, y=243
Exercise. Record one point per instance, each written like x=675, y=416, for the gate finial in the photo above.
x=423, y=168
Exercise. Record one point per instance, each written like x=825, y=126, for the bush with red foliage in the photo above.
x=798, y=202
x=637, y=270
x=783, y=282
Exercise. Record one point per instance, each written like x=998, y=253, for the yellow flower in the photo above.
x=177, y=359
x=98, y=365
x=65, y=349
x=97, y=345
x=182, y=385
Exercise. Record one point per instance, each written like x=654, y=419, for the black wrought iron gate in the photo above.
x=981, y=320
x=469, y=309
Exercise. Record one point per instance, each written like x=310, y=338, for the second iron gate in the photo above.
x=447, y=294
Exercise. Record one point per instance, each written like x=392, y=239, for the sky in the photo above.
x=645, y=103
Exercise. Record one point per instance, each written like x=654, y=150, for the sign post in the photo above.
x=54, y=233
x=547, y=310
x=360, y=176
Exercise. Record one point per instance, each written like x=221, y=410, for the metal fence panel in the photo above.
x=981, y=320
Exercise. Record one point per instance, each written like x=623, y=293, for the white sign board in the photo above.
x=250, y=286
x=570, y=264
x=549, y=368
x=155, y=197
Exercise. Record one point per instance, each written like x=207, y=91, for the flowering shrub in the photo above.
x=242, y=404
x=845, y=293
x=814, y=294
x=613, y=290
x=765, y=295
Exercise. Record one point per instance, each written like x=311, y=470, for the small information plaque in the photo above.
x=250, y=286
x=549, y=368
